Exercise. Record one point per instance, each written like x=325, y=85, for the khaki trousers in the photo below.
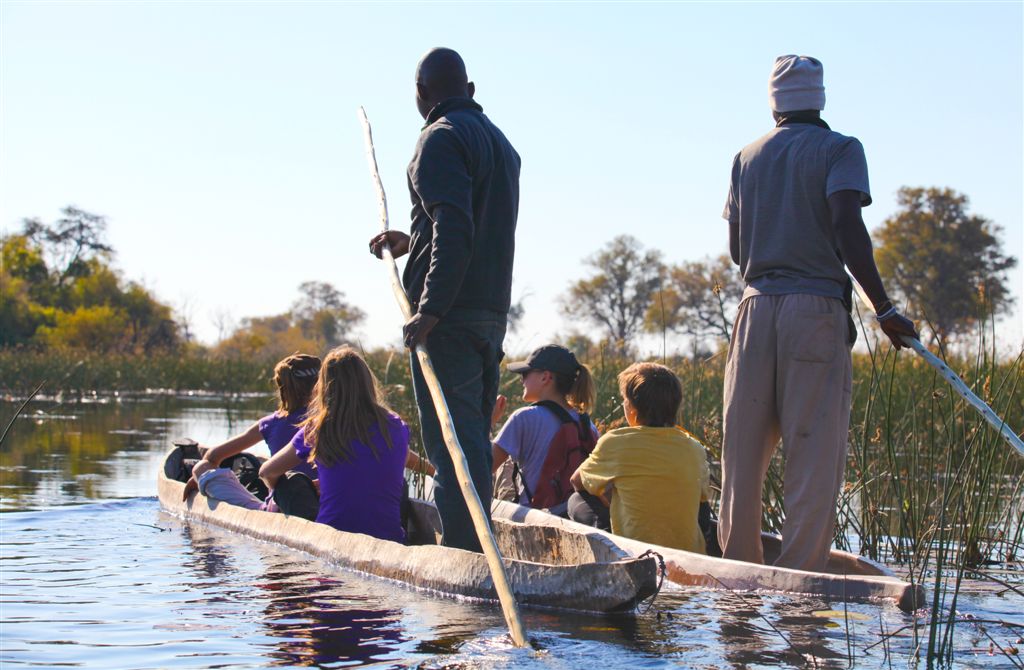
x=788, y=377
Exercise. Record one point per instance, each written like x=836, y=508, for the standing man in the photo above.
x=464, y=183
x=794, y=212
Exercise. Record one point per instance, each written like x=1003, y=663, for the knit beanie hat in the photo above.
x=797, y=83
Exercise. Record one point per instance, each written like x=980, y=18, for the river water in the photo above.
x=93, y=574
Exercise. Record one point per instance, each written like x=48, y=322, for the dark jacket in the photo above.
x=464, y=183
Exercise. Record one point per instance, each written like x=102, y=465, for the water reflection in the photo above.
x=314, y=617
x=122, y=585
x=760, y=629
x=58, y=455
x=318, y=626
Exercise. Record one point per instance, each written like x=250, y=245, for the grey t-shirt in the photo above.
x=779, y=197
x=526, y=436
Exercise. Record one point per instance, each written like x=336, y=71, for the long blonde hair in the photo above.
x=347, y=403
x=578, y=389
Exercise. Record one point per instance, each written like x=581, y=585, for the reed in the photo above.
x=82, y=373
x=930, y=486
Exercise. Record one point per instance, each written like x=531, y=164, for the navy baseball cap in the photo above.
x=550, y=357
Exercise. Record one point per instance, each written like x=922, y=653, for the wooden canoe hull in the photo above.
x=594, y=586
x=854, y=578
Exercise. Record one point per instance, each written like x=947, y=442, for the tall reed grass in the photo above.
x=930, y=488
x=74, y=373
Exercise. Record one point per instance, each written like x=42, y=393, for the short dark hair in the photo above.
x=654, y=390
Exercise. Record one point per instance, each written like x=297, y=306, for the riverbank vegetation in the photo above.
x=930, y=486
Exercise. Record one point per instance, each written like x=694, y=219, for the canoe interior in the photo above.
x=839, y=562
x=522, y=542
x=547, y=566
x=855, y=578
x=517, y=541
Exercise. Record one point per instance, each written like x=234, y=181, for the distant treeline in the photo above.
x=60, y=293
x=58, y=290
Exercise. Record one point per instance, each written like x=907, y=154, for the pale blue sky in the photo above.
x=221, y=139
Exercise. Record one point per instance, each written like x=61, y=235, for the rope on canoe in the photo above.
x=661, y=580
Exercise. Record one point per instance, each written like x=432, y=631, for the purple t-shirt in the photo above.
x=364, y=494
x=526, y=436
x=277, y=431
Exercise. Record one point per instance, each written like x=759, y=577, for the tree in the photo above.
x=267, y=338
x=616, y=296
x=698, y=298
x=318, y=320
x=24, y=289
x=223, y=320
x=516, y=312
x=72, y=241
x=99, y=328
x=323, y=315
x=946, y=263
x=58, y=289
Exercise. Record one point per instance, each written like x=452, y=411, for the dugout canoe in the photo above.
x=547, y=566
x=848, y=577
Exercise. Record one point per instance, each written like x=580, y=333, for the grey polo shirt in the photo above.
x=779, y=197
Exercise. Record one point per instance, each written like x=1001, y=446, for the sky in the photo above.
x=221, y=140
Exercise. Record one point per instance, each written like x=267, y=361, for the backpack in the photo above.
x=570, y=446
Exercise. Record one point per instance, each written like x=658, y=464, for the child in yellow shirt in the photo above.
x=655, y=473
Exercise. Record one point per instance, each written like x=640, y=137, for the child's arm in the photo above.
x=577, y=479
x=215, y=455
x=500, y=403
x=498, y=456
x=279, y=463
x=235, y=445
x=498, y=453
x=193, y=482
x=605, y=496
x=417, y=464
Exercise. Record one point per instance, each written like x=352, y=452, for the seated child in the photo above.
x=655, y=473
x=294, y=378
x=358, y=445
x=550, y=438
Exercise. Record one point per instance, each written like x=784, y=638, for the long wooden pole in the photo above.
x=958, y=384
x=451, y=439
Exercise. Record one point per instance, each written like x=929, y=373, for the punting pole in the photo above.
x=958, y=384
x=451, y=440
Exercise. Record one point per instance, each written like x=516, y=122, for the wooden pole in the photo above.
x=958, y=384
x=451, y=439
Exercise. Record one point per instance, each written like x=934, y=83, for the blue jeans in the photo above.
x=465, y=348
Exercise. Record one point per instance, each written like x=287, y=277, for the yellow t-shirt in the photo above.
x=659, y=476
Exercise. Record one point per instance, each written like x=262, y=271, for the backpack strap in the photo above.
x=559, y=411
x=519, y=480
x=583, y=425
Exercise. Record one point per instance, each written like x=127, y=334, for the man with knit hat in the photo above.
x=794, y=212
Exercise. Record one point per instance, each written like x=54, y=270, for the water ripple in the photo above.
x=120, y=584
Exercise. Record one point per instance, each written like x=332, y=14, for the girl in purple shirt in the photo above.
x=358, y=445
x=294, y=378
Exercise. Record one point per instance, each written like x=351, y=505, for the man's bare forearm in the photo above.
x=855, y=245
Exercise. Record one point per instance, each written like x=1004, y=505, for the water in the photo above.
x=93, y=574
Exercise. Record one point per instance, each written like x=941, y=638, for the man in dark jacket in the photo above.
x=464, y=183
